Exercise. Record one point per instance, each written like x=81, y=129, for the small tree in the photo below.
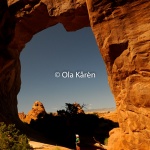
x=11, y=139
x=71, y=109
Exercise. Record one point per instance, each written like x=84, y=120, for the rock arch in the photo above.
x=122, y=32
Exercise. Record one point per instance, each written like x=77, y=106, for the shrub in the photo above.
x=11, y=139
x=106, y=141
x=71, y=109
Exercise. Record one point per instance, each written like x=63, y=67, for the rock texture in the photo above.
x=113, y=116
x=122, y=32
x=22, y=116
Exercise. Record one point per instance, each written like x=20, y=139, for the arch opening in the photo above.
x=55, y=50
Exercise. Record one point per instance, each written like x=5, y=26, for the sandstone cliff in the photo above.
x=122, y=32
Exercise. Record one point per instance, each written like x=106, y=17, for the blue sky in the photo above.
x=55, y=50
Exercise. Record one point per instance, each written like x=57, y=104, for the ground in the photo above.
x=43, y=146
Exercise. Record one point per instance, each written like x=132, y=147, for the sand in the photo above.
x=43, y=146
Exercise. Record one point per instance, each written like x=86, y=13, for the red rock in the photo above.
x=37, y=111
x=123, y=35
x=22, y=116
x=122, y=32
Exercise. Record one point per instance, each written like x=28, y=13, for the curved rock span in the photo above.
x=122, y=31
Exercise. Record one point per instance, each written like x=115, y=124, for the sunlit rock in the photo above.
x=122, y=31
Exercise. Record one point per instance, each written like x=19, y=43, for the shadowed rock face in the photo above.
x=122, y=32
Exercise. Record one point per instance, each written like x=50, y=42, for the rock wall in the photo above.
x=122, y=32
x=9, y=67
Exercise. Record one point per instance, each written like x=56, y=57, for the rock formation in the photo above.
x=122, y=32
x=22, y=116
x=113, y=116
x=36, y=112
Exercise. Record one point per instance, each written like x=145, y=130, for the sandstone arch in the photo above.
x=122, y=32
